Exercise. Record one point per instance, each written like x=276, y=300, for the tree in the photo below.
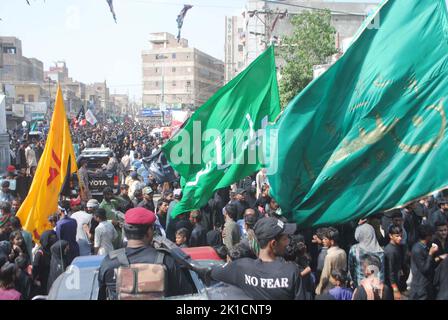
x=312, y=43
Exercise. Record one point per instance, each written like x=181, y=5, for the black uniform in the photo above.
x=441, y=280
x=422, y=267
x=198, y=236
x=277, y=280
x=177, y=282
x=393, y=260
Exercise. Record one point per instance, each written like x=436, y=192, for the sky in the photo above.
x=95, y=48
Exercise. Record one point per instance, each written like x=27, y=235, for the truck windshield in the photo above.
x=96, y=163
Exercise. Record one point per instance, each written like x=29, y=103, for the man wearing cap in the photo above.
x=138, y=197
x=91, y=207
x=5, y=227
x=139, y=230
x=240, y=202
x=5, y=193
x=148, y=202
x=269, y=277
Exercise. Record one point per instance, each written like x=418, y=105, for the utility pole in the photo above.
x=49, y=92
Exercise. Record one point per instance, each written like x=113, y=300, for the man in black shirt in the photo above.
x=441, y=279
x=240, y=202
x=139, y=230
x=269, y=277
x=423, y=265
x=198, y=236
x=393, y=260
x=441, y=237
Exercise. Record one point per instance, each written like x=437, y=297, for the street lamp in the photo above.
x=25, y=130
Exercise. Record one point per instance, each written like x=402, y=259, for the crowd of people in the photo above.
x=398, y=254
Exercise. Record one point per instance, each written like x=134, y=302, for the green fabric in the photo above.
x=253, y=93
x=370, y=133
x=111, y=214
x=110, y=208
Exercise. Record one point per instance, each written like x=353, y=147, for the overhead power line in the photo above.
x=317, y=9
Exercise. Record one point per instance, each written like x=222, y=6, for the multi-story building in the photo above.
x=261, y=23
x=97, y=96
x=178, y=76
x=234, y=43
x=16, y=67
x=74, y=92
x=120, y=104
x=58, y=72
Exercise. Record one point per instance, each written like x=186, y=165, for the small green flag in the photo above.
x=223, y=141
x=370, y=134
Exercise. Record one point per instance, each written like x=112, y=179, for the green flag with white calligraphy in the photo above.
x=370, y=133
x=223, y=140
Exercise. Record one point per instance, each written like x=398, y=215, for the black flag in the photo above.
x=180, y=18
x=159, y=168
x=111, y=6
x=81, y=118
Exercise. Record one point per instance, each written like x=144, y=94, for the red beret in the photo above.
x=139, y=216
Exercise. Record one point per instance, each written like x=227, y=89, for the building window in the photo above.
x=174, y=83
x=30, y=98
x=173, y=56
x=157, y=70
x=10, y=50
x=240, y=48
x=174, y=69
x=188, y=83
x=156, y=83
x=21, y=98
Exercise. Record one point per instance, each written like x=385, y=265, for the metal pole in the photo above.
x=163, y=87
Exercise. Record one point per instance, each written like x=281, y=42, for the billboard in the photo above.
x=18, y=110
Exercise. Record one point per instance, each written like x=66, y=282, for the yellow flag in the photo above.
x=53, y=167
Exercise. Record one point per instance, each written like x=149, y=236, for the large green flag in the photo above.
x=223, y=141
x=370, y=133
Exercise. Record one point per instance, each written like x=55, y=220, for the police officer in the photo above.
x=269, y=277
x=139, y=230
